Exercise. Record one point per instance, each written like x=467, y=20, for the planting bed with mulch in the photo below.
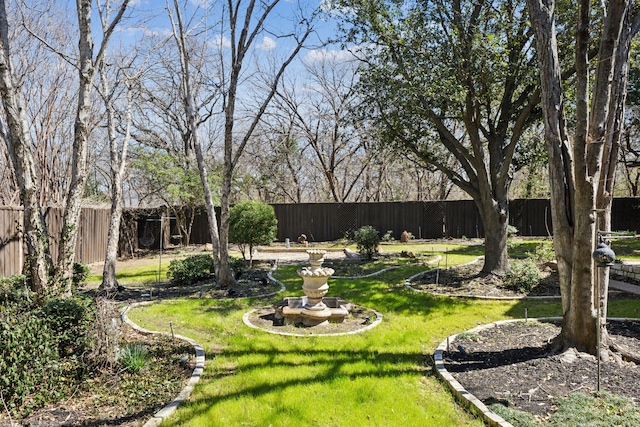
x=512, y=364
x=113, y=396
x=467, y=280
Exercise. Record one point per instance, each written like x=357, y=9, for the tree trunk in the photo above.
x=576, y=169
x=496, y=222
x=192, y=119
x=79, y=168
x=19, y=143
x=79, y=171
x=118, y=162
x=225, y=275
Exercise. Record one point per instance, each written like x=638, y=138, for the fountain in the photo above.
x=314, y=308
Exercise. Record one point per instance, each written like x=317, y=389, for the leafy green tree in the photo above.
x=252, y=223
x=170, y=178
x=451, y=81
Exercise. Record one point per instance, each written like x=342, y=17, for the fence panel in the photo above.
x=11, y=249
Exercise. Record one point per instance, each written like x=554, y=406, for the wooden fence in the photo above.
x=92, y=236
x=318, y=221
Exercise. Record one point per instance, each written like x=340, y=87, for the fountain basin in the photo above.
x=295, y=310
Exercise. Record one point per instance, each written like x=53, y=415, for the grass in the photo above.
x=379, y=378
x=602, y=410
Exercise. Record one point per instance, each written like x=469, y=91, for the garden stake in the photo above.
x=172, y=335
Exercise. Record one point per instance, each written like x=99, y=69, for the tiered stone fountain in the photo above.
x=314, y=308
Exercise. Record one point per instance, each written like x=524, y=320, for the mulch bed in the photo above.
x=251, y=283
x=511, y=364
x=112, y=396
x=467, y=280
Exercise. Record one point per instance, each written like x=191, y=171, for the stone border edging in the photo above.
x=245, y=320
x=467, y=399
x=171, y=407
x=384, y=270
x=407, y=284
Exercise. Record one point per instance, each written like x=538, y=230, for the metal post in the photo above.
x=598, y=328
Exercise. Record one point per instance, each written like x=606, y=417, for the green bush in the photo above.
x=252, y=223
x=133, y=357
x=544, y=252
x=29, y=366
x=237, y=264
x=15, y=290
x=367, y=239
x=522, y=276
x=191, y=269
x=80, y=274
x=70, y=319
x=388, y=236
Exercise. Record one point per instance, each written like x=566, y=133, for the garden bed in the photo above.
x=113, y=396
x=512, y=365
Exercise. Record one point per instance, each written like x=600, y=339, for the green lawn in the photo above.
x=379, y=378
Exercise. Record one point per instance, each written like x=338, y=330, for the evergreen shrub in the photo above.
x=183, y=272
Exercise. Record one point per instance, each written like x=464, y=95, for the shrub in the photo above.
x=134, y=356
x=15, y=290
x=80, y=274
x=237, y=264
x=388, y=236
x=70, y=319
x=544, y=252
x=29, y=368
x=522, y=276
x=191, y=269
x=367, y=239
x=406, y=236
x=252, y=223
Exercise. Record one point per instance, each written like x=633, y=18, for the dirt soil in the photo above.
x=467, y=280
x=511, y=364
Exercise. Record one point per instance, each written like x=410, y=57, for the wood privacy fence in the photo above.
x=318, y=221
x=92, y=236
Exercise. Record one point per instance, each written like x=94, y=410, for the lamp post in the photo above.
x=604, y=257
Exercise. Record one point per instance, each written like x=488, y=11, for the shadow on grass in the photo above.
x=324, y=366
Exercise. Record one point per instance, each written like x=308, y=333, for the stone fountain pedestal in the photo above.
x=314, y=308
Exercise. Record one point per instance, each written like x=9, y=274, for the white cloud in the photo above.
x=221, y=41
x=133, y=31
x=324, y=55
x=267, y=44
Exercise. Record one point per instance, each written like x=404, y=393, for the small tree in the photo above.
x=367, y=239
x=252, y=223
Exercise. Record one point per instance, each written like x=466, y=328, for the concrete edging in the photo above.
x=246, y=321
x=171, y=407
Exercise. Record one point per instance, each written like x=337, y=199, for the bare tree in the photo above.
x=87, y=67
x=118, y=149
x=193, y=121
x=18, y=139
x=582, y=168
x=242, y=24
x=324, y=118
